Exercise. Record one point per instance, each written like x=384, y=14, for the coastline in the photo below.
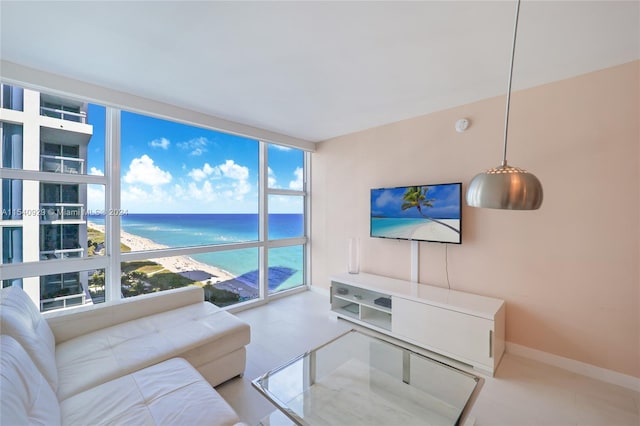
x=184, y=265
x=426, y=231
x=435, y=231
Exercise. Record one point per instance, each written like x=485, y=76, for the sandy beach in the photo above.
x=184, y=264
x=435, y=231
x=429, y=231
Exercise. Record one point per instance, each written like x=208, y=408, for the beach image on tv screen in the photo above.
x=423, y=213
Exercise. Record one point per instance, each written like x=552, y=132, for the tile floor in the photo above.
x=523, y=391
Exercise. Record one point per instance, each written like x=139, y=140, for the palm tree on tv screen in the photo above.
x=416, y=196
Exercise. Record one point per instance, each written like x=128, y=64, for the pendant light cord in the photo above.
x=506, y=117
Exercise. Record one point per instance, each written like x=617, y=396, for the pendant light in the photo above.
x=506, y=187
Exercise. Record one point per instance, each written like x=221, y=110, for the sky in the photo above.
x=446, y=202
x=168, y=167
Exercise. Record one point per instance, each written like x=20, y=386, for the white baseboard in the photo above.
x=599, y=373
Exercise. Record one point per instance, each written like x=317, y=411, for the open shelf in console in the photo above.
x=361, y=304
x=349, y=309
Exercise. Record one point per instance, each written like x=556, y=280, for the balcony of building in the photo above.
x=61, y=253
x=60, y=164
x=66, y=212
x=61, y=241
x=61, y=302
x=63, y=108
x=61, y=291
x=64, y=120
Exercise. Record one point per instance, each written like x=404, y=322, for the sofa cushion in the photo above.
x=26, y=397
x=21, y=319
x=169, y=393
x=95, y=358
x=88, y=318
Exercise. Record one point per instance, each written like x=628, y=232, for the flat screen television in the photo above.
x=419, y=213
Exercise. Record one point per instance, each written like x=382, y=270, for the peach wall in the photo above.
x=569, y=272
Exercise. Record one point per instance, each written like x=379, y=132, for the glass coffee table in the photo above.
x=358, y=379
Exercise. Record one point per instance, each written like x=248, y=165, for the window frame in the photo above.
x=111, y=263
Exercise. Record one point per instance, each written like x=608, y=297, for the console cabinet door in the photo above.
x=464, y=336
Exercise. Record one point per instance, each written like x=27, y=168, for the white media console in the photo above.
x=462, y=326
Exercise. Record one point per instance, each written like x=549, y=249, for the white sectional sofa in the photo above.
x=142, y=360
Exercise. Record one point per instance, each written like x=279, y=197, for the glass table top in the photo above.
x=358, y=379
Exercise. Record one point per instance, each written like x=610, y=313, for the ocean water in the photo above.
x=384, y=226
x=186, y=230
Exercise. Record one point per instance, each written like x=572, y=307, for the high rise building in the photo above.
x=44, y=219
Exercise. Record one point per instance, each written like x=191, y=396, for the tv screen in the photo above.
x=421, y=213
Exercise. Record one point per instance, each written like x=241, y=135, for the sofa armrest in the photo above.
x=72, y=323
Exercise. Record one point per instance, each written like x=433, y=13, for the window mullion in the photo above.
x=112, y=202
x=263, y=214
x=307, y=218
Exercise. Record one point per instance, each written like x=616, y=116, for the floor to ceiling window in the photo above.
x=47, y=143
x=286, y=205
x=121, y=204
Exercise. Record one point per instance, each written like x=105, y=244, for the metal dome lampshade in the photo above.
x=506, y=187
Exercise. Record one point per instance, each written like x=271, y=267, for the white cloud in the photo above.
x=138, y=199
x=197, y=174
x=160, y=143
x=228, y=169
x=286, y=204
x=239, y=174
x=95, y=197
x=234, y=171
x=142, y=170
x=193, y=193
x=134, y=193
x=196, y=145
x=178, y=191
x=280, y=147
x=206, y=170
x=298, y=183
x=271, y=178
x=385, y=198
x=231, y=183
x=205, y=193
x=96, y=172
x=240, y=189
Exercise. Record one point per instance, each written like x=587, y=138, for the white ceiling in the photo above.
x=315, y=70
